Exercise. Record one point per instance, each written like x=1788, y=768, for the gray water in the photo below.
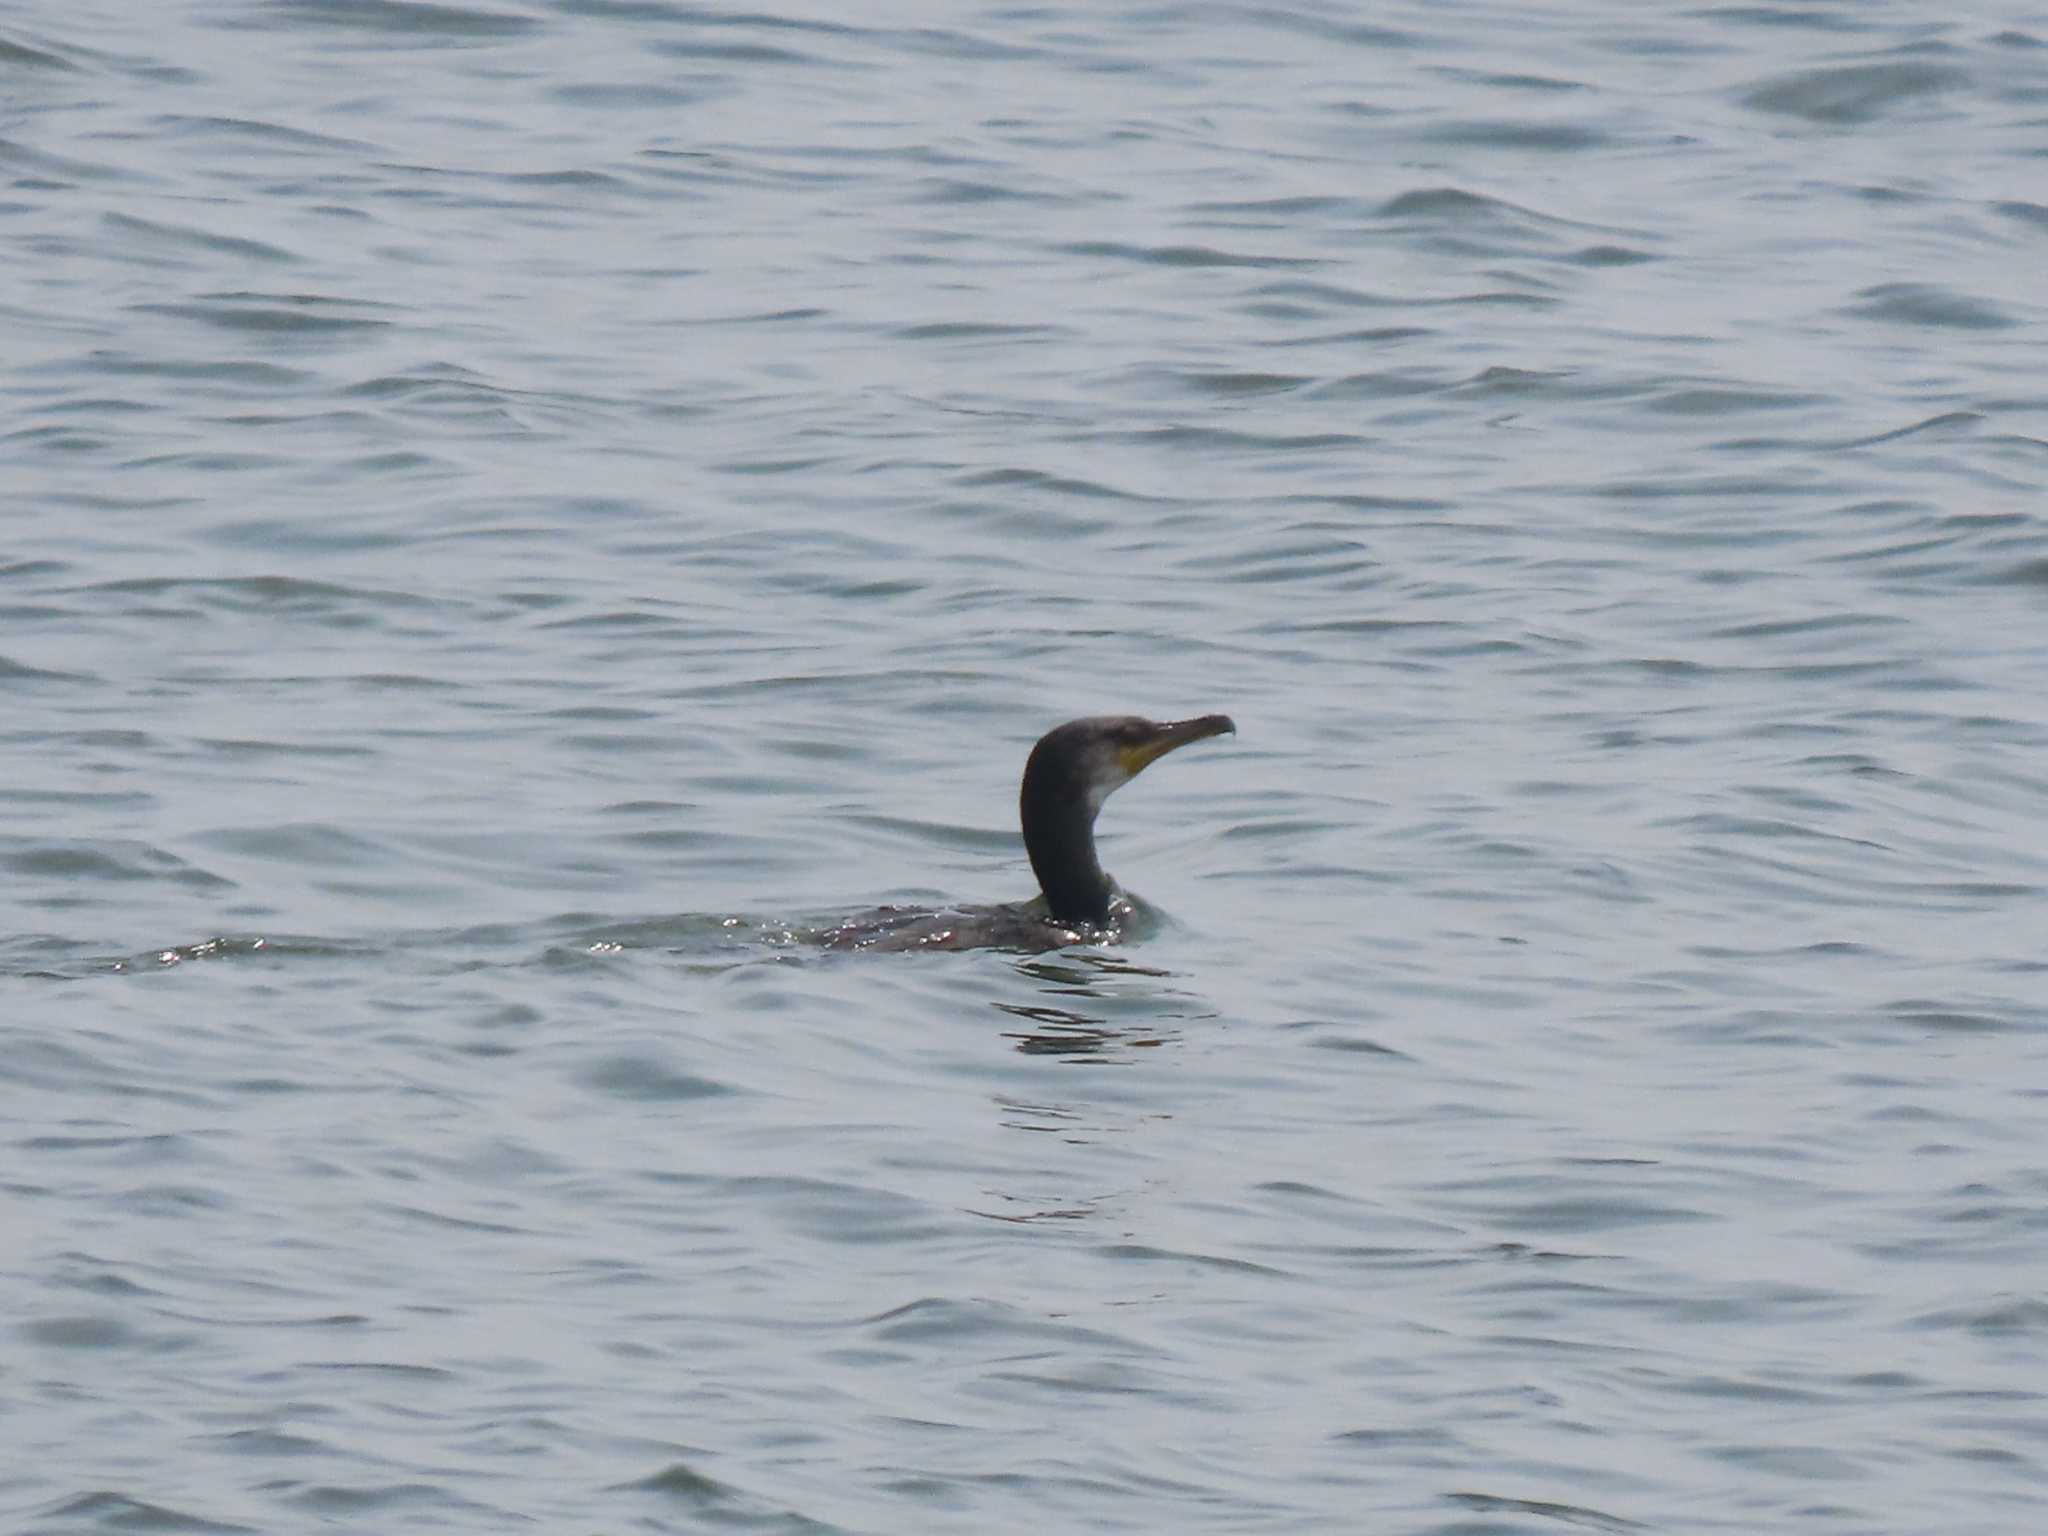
x=512, y=508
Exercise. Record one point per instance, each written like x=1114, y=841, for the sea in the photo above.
x=514, y=513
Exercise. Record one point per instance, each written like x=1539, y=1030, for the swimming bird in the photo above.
x=1072, y=770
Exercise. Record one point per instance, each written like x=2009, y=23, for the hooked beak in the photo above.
x=1172, y=734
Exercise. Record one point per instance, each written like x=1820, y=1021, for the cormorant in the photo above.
x=1072, y=770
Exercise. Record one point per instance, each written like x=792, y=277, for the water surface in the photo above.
x=513, y=508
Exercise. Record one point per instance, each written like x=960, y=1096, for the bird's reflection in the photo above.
x=1072, y=1036
x=1081, y=969
x=1068, y=1034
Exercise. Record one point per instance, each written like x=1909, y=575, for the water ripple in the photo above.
x=529, y=512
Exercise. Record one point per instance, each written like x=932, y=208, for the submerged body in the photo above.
x=1072, y=770
x=1016, y=925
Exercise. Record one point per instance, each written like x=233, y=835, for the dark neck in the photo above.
x=1059, y=834
x=1062, y=849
